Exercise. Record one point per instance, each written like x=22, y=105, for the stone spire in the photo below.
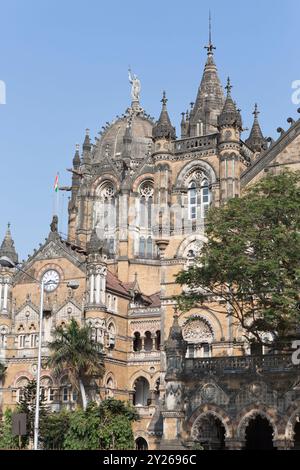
x=230, y=116
x=256, y=139
x=87, y=147
x=163, y=129
x=76, y=159
x=210, y=96
x=8, y=247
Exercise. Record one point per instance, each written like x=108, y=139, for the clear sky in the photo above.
x=64, y=63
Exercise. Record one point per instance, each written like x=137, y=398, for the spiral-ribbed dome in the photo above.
x=129, y=135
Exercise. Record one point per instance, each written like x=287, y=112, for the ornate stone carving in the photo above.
x=197, y=330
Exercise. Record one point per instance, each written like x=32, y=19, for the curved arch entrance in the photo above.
x=259, y=434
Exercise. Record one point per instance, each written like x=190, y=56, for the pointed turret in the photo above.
x=163, y=129
x=76, y=159
x=256, y=139
x=8, y=247
x=210, y=97
x=87, y=147
x=230, y=115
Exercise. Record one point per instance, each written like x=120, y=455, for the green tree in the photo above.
x=73, y=349
x=83, y=432
x=7, y=438
x=116, y=419
x=27, y=405
x=53, y=430
x=251, y=260
x=107, y=426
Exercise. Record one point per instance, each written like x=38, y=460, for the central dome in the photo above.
x=134, y=126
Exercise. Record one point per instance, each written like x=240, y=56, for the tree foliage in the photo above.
x=105, y=426
x=7, y=438
x=115, y=428
x=73, y=349
x=27, y=405
x=53, y=430
x=251, y=260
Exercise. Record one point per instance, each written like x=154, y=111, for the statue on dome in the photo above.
x=135, y=86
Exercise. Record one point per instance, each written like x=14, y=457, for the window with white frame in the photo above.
x=22, y=341
x=198, y=197
x=192, y=200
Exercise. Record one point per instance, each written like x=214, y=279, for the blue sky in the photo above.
x=65, y=68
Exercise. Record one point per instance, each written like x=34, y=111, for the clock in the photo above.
x=51, y=280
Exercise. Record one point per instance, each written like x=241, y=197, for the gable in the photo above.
x=282, y=153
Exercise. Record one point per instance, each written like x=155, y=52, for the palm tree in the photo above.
x=73, y=349
x=2, y=370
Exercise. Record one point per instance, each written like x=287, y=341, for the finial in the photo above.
x=210, y=48
x=87, y=132
x=164, y=99
x=192, y=104
x=77, y=146
x=256, y=112
x=8, y=226
x=228, y=86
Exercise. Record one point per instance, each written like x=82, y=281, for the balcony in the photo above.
x=196, y=143
x=142, y=356
x=270, y=363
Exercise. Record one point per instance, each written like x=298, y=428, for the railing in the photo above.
x=144, y=356
x=235, y=364
x=195, y=143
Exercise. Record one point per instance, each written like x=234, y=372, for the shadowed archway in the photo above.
x=259, y=434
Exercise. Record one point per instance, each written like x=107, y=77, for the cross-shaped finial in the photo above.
x=255, y=112
x=210, y=48
x=164, y=99
x=228, y=86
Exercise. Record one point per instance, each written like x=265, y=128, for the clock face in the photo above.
x=51, y=280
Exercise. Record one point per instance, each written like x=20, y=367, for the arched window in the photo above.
x=142, y=248
x=110, y=387
x=47, y=392
x=68, y=393
x=192, y=200
x=198, y=196
x=111, y=330
x=157, y=340
x=144, y=221
x=105, y=215
x=141, y=395
x=148, y=342
x=205, y=197
x=20, y=385
x=137, y=342
x=141, y=444
x=149, y=247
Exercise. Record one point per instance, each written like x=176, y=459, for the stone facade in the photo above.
x=137, y=209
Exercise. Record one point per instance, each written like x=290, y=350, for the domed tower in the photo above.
x=103, y=179
x=230, y=127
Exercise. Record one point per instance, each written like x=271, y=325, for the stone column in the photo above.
x=234, y=444
x=92, y=286
x=5, y=297
x=97, y=287
x=283, y=444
